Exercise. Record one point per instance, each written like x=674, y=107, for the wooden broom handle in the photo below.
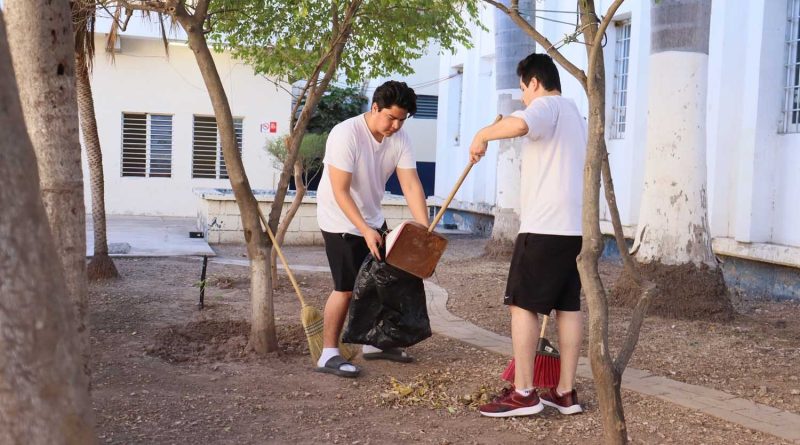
x=283, y=259
x=456, y=187
x=544, y=325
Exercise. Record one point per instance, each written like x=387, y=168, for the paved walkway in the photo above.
x=149, y=236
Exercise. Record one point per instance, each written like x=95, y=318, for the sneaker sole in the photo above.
x=574, y=409
x=527, y=411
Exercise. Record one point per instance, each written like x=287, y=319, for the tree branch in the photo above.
x=201, y=10
x=598, y=38
x=144, y=5
x=541, y=40
x=333, y=56
x=635, y=327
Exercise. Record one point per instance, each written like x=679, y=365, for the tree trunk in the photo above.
x=263, y=337
x=101, y=265
x=300, y=185
x=45, y=396
x=673, y=225
x=607, y=379
x=673, y=240
x=607, y=375
x=41, y=39
x=511, y=45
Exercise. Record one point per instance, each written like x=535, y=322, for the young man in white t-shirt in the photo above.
x=543, y=275
x=360, y=156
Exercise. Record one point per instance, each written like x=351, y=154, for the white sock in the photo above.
x=327, y=354
x=524, y=392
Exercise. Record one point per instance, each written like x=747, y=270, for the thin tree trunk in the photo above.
x=263, y=337
x=607, y=374
x=101, y=265
x=45, y=398
x=42, y=42
x=607, y=379
x=300, y=185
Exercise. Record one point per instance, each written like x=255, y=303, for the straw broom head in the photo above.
x=311, y=318
x=312, y=324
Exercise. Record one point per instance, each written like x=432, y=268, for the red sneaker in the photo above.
x=565, y=404
x=510, y=403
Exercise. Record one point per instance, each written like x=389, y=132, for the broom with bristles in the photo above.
x=546, y=364
x=310, y=316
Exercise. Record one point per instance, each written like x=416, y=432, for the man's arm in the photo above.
x=509, y=127
x=340, y=183
x=414, y=193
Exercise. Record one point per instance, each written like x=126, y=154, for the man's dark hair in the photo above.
x=542, y=67
x=395, y=93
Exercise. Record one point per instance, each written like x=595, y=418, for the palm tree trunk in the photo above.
x=101, y=265
x=41, y=39
x=674, y=208
x=673, y=239
x=512, y=44
x=45, y=397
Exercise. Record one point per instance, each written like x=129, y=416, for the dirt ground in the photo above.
x=756, y=356
x=165, y=372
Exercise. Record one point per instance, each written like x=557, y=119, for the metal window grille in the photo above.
x=791, y=102
x=427, y=107
x=207, y=158
x=146, y=145
x=620, y=104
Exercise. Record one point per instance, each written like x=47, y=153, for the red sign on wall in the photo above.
x=273, y=127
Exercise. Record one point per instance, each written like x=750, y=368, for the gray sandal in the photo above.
x=391, y=354
x=334, y=366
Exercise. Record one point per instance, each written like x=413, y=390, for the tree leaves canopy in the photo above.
x=287, y=39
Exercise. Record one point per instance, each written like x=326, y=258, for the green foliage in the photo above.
x=286, y=39
x=312, y=150
x=336, y=105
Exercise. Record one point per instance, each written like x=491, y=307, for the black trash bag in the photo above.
x=387, y=309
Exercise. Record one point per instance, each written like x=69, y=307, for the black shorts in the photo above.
x=346, y=252
x=544, y=274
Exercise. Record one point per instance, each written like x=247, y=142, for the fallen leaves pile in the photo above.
x=437, y=389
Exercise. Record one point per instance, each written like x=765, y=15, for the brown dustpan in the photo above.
x=417, y=249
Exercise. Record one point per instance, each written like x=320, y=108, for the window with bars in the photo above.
x=620, y=102
x=146, y=145
x=791, y=101
x=207, y=158
x=427, y=107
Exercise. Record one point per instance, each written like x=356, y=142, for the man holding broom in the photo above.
x=360, y=155
x=543, y=275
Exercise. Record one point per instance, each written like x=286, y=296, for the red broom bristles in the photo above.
x=546, y=364
x=508, y=373
x=546, y=371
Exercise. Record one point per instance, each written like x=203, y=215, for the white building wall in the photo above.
x=754, y=170
x=467, y=102
x=143, y=79
x=423, y=80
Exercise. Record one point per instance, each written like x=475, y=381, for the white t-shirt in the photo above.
x=553, y=155
x=352, y=148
